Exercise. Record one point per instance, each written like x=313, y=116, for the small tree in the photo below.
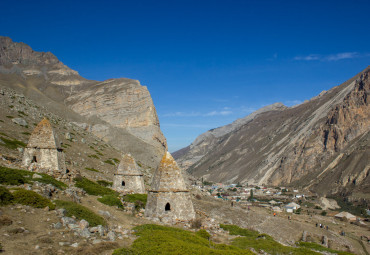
x=251, y=196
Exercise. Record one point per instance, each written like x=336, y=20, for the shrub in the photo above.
x=110, y=162
x=105, y=183
x=111, y=200
x=92, y=188
x=50, y=180
x=81, y=212
x=31, y=198
x=196, y=223
x=12, y=144
x=155, y=239
x=18, y=177
x=138, y=199
x=203, y=233
x=91, y=169
x=318, y=247
x=134, y=197
x=6, y=197
x=13, y=176
x=323, y=213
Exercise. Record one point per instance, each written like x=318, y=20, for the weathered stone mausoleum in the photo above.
x=128, y=178
x=43, y=153
x=168, y=197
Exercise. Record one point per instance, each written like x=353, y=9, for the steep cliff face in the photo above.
x=298, y=145
x=119, y=111
x=124, y=104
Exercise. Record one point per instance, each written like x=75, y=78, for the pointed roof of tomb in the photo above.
x=128, y=166
x=42, y=136
x=168, y=176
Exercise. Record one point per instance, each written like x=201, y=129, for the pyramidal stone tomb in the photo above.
x=168, y=197
x=128, y=178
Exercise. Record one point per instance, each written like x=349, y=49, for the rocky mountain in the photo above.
x=322, y=144
x=118, y=111
x=206, y=141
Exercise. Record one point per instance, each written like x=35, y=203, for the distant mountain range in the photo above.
x=322, y=144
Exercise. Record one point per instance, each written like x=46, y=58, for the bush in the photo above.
x=323, y=213
x=13, y=176
x=92, y=169
x=203, y=233
x=47, y=179
x=92, y=188
x=257, y=241
x=155, y=239
x=81, y=212
x=196, y=223
x=138, y=199
x=12, y=144
x=318, y=247
x=31, y=198
x=105, y=183
x=111, y=200
x=18, y=177
x=6, y=197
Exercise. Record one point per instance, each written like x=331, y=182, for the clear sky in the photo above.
x=205, y=63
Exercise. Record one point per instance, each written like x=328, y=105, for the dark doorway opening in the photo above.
x=34, y=159
x=123, y=183
x=168, y=207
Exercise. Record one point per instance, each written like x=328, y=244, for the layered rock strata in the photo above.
x=323, y=142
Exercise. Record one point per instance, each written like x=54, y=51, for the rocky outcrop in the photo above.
x=118, y=111
x=124, y=104
x=323, y=142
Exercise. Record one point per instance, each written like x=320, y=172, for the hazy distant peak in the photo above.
x=221, y=131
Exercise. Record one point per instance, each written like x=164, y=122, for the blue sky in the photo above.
x=205, y=63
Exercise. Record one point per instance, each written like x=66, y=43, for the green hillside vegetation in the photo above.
x=10, y=176
x=263, y=242
x=6, y=197
x=81, y=212
x=111, y=200
x=31, y=198
x=155, y=239
x=138, y=199
x=93, y=188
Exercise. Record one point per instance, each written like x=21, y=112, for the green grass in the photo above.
x=105, y=183
x=263, y=242
x=21, y=113
x=26, y=133
x=110, y=162
x=138, y=199
x=93, y=188
x=93, y=156
x=6, y=197
x=111, y=200
x=115, y=160
x=10, y=117
x=47, y=179
x=81, y=212
x=318, y=247
x=92, y=169
x=31, y=198
x=12, y=176
x=12, y=144
x=155, y=239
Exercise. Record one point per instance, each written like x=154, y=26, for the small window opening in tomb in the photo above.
x=168, y=207
x=34, y=159
x=123, y=183
x=67, y=171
